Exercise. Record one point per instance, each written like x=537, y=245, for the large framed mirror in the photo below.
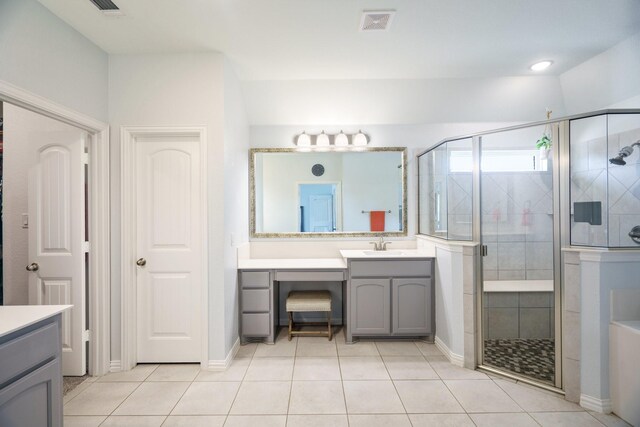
x=296, y=193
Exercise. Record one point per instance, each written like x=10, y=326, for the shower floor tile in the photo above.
x=534, y=358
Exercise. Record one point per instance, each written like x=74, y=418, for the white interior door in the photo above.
x=169, y=239
x=321, y=212
x=57, y=239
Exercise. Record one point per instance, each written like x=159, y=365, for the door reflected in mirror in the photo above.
x=316, y=194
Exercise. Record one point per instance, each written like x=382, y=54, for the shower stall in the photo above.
x=523, y=194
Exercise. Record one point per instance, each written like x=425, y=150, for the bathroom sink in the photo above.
x=383, y=253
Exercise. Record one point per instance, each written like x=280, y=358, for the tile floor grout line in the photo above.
x=226, y=417
x=180, y=398
x=396, y=388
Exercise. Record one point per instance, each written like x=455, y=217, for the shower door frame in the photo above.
x=560, y=150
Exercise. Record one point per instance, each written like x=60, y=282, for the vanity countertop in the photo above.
x=15, y=317
x=387, y=254
x=292, y=263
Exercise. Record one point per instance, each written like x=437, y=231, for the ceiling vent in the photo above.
x=376, y=20
x=107, y=7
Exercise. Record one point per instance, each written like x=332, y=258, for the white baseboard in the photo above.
x=115, y=366
x=455, y=359
x=591, y=403
x=221, y=365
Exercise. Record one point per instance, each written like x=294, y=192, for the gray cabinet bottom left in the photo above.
x=33, y=400
x=31, y=376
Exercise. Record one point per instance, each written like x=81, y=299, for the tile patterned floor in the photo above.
x=534, y=358
x=312, y=382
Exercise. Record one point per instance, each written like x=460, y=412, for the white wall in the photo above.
x=42, y=54
x=399, y=102
x=608, y=80
x=236, y=201
x=371, y=185
x=24, y=133
x=171, y=90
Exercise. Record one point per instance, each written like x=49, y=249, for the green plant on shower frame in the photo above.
x=544, y=142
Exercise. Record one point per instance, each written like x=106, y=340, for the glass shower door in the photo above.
x=517, y=234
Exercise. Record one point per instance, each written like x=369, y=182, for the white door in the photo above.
x=169, y=239
x=321, y=213
x=57, y=239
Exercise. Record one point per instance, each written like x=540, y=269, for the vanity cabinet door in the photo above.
x=412, y=309
x=370, y=306
x=35, y=399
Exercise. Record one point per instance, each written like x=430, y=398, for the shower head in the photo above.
x=618, y=161
x=624, y=152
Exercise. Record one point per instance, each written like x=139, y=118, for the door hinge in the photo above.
x=483, y=250
x=85, y=158
x=86, y=335
x=86, y=246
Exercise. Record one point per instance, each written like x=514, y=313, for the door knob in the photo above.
x=141, y=262
x=33, y=266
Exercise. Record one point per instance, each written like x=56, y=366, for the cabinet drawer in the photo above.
x=310, y=276
x=254, y=279
x=255, y=300
x=255, y=324
x=28, y=350
x=400, y=268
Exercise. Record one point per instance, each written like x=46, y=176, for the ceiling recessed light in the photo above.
x=542, y=65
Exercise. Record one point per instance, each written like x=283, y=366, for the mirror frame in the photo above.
x=328, y=234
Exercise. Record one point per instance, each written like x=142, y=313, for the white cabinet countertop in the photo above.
x=292, y=263
x=389, y=253
x=15, y=317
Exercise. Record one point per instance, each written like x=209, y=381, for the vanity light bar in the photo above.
x=326, y=140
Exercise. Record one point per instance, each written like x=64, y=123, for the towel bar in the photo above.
x=389, y=211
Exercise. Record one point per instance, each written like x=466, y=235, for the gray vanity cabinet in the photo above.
x=31, y=375
x=411, y=306
x=390, y=298
x=370, y=307
x=256, y=305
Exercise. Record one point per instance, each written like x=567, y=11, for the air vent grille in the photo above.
x=378, y=20
x=106, y=5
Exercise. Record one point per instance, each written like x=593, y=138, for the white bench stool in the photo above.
x=305, y=301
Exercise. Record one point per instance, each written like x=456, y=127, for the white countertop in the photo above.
x=292, y=263
x=15, y=317
x=389, y=253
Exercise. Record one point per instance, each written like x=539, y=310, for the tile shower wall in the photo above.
x=593, y=178
x=433, y=192
x=588, y=166
x=624, y=185
x=517, y=225
x=521, y=315
x=445, y=196
x=459, y=205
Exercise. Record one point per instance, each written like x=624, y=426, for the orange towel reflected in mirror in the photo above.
x=377, y=220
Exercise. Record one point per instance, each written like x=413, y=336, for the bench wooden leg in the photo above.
x=290, y=324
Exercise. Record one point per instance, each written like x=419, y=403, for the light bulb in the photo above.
x=303, y=140
x=360, y=139
x=341, y=140
x=322, y=140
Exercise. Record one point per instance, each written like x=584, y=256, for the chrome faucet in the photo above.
x=380, y=245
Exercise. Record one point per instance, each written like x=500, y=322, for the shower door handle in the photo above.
x=484, y=251
x=635, y=234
